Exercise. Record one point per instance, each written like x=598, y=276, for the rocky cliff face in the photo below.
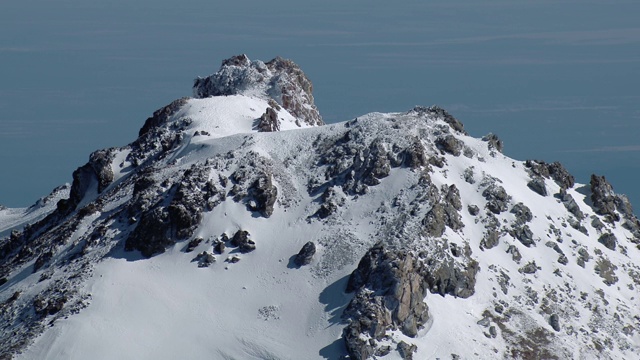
x=405, y=238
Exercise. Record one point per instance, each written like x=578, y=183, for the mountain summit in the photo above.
x=279, y=80
x=239, y=226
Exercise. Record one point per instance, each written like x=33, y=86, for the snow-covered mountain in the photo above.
x=239, y=226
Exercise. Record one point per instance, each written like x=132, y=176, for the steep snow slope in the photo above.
x=429, y=244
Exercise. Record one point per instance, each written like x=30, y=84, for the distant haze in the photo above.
x=556, y=80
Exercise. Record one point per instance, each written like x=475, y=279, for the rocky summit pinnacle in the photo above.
x=279, y=79
x=235, y=227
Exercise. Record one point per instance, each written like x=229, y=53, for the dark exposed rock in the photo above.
x=473, y=209
x=269, y=121
x=603, y=198
x=576, y=224
x=450, y=144
x=596, y=223
x=491, y=236
x=555, y=171
x=415, y=156
x=452, y=197
x=554, y=246
x=151, y=235
x=608, y=240
x=219, y=247
x=570, y=204
x=469, y=175
x=279, y=79
x=515, y=253
x=82, y=179
x=406, y=351
x=264, y=194
x=440, y=216
x=161, y=226
x=390, y=288
x=305, y=255
x=529, y=268
x=447, y=278
x=205, y=259
x=441, y=114
x=522, y=213
x=42, y=260
x=101, y=163
x=497, y=198
x=193, y=244
x=554, y=321
x=242, y=241
x=524, y=234
x=435, y=221
x=161, y=116
x=375, y=165
x=538, y=185
x=493, y=142
x=562, y=259
x=43, y=307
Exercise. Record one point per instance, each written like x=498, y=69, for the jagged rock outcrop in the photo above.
x=161, y=226
x=570, y=204
x=603, y=198
x=524, y=234
x=450, y=144
x=380, y=177
x=440, y=114
x=608, y=240
x=415, y=156
x=497, y=198
x=522, y=213
x=264, y=195
x=269, y=121
x=554, y=171
x=440, y=216
x=242, y=241
x=493, y=142
x=161, y=116
x=279, y=79
x=390, y=288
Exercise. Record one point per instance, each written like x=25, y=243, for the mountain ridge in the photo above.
x=428, y=242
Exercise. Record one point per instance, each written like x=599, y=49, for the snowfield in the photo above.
x=334, y=189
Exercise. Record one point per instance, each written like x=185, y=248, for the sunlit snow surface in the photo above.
x=262, y=307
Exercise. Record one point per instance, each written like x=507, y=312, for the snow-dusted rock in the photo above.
x=433, y=231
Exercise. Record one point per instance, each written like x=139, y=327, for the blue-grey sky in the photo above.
x=557, y=80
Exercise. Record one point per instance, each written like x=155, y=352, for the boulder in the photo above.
x=305, y=255
x=497, y=198
x=242, y=241
x=538, y=185
x=554, y=321
x=193, y=244
x=522, y=213
x=450, y=144
x=608, y=240
x=524, y=234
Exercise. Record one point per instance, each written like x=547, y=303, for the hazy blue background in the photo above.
x=557, y=80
